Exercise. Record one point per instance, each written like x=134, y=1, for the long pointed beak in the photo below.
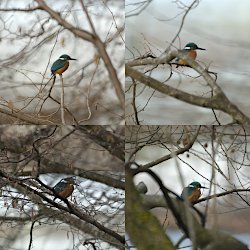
x=205, y=187
x=72, y=59
x=201, y=48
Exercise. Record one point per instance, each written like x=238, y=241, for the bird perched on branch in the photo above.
x=192, y=192
x=65, y=187
x=190, y=50
x=61, y=65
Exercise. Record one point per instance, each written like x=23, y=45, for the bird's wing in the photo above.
x=185, y=193
x=57, y=65
x=60, y=186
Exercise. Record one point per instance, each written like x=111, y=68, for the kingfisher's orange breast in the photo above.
x=67, y=191
x=194, y=196
x=61, y=70
x=192, y=54
x=182, y=62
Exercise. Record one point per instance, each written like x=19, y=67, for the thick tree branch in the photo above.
x=141, y=224
x=113, y=144
x=70, y=207
x=218, y=101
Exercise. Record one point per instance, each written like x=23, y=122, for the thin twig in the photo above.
x=49, y=94
x=134, y=103
x=62, y=102
x=31, y=236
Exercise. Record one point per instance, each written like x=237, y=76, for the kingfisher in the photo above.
x=61, y=65
x=192, y=192
x=65, y=187
x=190, y=49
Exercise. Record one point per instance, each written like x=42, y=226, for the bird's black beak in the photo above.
x=72, y=59
x=201, y=48
x=205, y=187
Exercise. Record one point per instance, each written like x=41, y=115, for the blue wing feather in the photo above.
x=187, y=191
x=57, y=65
x=59, y=187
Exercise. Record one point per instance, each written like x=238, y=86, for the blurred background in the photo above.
x=31, y=155
x=31, y=40
x=221, y=27
x=219, y=157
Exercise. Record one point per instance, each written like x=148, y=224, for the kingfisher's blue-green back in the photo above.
x=61, y=65
x=60, y=185
x=190, y=50
x=192, y=192
x=58, y=64
x=186, y=192
x=65, y=187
